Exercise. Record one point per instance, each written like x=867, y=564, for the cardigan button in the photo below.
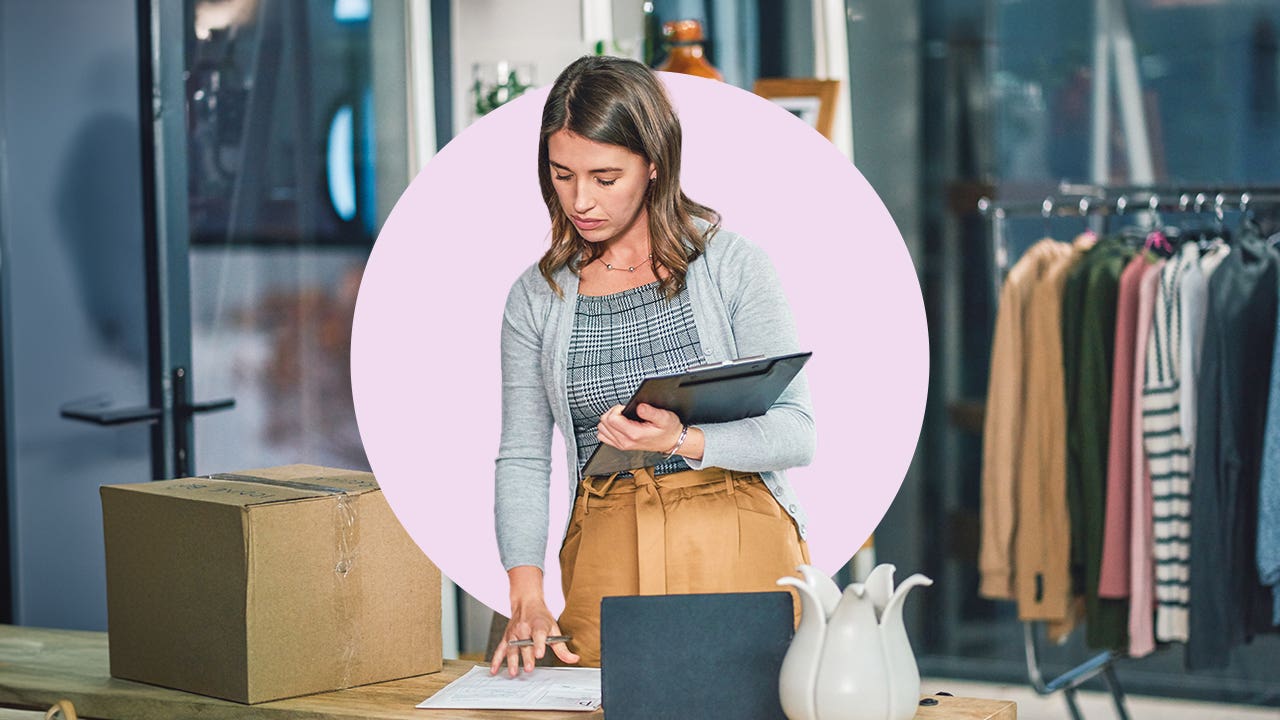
x=777, y=491
x=791, y=508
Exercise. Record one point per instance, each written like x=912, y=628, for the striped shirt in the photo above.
x=617, y=341
x=1169, y=451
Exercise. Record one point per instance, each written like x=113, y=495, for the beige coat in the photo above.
x=1026, y=536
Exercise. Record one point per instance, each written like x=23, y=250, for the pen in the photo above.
x=529, y=643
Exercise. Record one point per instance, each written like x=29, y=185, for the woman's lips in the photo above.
x=585, y=223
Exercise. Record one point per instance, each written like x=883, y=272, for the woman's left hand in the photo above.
x=658, y=433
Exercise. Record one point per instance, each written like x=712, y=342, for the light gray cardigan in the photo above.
x=739, y=310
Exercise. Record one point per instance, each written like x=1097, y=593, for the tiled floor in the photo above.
x=1097, y=705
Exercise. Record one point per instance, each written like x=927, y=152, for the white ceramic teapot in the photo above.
x=850, y=658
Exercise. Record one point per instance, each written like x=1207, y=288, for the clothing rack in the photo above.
x=1145, y=202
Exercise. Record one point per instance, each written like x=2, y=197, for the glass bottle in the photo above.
x=686, y=56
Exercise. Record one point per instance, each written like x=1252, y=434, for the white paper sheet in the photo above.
x=543, y=689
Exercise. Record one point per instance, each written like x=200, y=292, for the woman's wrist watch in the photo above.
x=684, y=432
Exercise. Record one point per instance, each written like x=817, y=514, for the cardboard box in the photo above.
x=266, y=584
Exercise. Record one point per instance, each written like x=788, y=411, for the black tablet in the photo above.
x=721, y=392
x=707, y=656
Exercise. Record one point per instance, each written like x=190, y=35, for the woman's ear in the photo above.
x=653, y=172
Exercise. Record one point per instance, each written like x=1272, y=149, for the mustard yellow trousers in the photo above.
x=696, y=531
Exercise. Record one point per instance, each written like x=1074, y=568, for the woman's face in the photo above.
x=601, y=187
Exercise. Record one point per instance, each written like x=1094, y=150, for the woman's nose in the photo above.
x=583, y=198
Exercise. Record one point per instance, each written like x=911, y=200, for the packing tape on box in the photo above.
x=291, y=484
x=347, y=540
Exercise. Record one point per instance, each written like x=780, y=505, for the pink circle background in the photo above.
x=425, y=342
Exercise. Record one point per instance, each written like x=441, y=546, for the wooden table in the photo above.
x=38, y=667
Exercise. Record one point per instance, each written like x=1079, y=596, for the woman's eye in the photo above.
x=564, y=177
x=607, y=183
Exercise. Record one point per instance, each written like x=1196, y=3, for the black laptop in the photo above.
x=694, y=656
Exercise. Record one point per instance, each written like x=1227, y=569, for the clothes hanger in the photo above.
x=1220, y=228
x=1248, y=219
x=1203, y=236
x=1141, y=234
x=1189, y=232
x=1158, y=234
x=1252, y=218
x=1084, y=205
x=1130, y=233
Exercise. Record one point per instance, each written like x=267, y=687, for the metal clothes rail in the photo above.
x=1082, y=200
x=1144, y=201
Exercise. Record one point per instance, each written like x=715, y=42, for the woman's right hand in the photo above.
x=530, y=618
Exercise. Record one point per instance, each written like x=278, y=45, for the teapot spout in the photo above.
x=894, y=606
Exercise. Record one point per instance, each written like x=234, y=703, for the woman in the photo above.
x=639, y=280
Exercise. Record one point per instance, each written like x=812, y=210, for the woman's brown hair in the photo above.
x=621, y=102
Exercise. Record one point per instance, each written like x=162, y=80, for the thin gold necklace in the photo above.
x=629, y=269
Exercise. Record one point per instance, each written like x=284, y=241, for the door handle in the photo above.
x=211, y=406
x=183, y=409
x=98, y=410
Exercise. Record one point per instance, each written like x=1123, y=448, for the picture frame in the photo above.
x=810, y=99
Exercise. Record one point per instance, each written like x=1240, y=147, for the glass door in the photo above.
x=286, y=112
x=96, y=340
x=202, y=237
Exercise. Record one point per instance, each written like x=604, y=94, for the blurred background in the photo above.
x=189, y=190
